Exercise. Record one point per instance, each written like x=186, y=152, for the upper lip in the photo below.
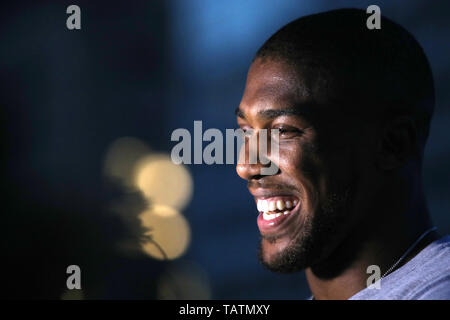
x=262, y=193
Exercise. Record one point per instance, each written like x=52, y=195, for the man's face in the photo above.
x=306, y=207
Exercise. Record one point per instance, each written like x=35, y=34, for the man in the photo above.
x=353, y=108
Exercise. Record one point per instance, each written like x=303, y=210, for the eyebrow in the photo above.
x=269, y=114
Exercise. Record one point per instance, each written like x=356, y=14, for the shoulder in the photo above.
x=426, y=276
x=431, y=274
x=438, y=289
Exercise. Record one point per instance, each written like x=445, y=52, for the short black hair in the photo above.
x=351, y=64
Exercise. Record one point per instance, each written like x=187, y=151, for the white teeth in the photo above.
x=259, y=206
x=280, y=205
x=270, y=216
x=266, y=206
x=272, y=206
x=262, y=206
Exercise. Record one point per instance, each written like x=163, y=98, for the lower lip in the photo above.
x=274, y=225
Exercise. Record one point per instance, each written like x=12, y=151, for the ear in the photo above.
x=398, y=143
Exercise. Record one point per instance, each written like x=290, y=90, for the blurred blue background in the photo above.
x=142, y=69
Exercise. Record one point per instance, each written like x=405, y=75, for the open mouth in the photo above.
x=275, y=207
x=275, y=211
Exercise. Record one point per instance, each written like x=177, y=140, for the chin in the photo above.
x=281, y=257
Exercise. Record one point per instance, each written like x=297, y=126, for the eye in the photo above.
x=288, y=131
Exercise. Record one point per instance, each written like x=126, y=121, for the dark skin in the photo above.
x=324, y=150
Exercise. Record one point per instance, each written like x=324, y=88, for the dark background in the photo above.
x=143, y=69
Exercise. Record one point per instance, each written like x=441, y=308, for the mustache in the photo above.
x=269, y=185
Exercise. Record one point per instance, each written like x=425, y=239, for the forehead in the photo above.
x=272, y=84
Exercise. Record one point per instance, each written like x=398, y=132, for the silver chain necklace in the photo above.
x=409, y=250
x=404, y=255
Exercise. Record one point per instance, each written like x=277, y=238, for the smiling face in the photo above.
x=306, y=208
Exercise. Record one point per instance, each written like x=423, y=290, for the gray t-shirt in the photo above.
x=424, y=277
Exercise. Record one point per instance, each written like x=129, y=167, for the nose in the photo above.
x=248, y=171
x=251, y=158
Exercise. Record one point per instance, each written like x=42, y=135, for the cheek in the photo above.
x=300, y=162
x=301, y=167
x=290, y=158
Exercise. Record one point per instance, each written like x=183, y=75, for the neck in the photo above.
x=379, y=242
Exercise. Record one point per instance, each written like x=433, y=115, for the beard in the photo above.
x=319, y=233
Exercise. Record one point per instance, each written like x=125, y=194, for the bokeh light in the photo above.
x=167, y=189
x=121, y=158
x=163, y=182
x=168, y=232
